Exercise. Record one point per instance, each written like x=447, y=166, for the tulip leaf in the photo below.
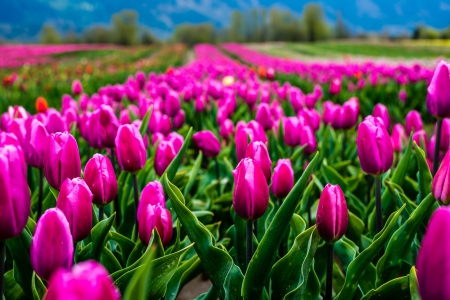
x=137, y=288
x=54, y=192
x=397, y=288
x=144, y=125
x=171, y=170
x=258, y=271
x=187, y=271
x=334, y=177
x=126, y=201
x=109, y=261
x=217, y=263
x=287, y=280
x=355, y=228
x=12, y=290
x=126, y=245
x=413, y=284
x=99, y=235
x=424, y=175
x=161, y=270
x=400, y=242
x=239, y=241
x=358, y=266
x=137, y=252
x=37, y=287
x=193, y=174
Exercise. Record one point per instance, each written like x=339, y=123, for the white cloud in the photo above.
x=444, y=6
x=398, y=8
x=5, y=28
x=368, y=8
x=166, y=19
x=86, y=6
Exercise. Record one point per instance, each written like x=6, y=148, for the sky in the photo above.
x=22, y=19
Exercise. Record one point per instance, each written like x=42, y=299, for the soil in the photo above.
x=195, y=288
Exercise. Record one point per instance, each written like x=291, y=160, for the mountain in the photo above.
x=22, y=20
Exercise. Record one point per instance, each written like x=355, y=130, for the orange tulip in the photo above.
x=41, y=104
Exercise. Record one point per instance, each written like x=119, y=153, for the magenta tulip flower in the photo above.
x=61, y=159
x=398, y=137
x=349, y=113
x=226, y=129
x=165, y=153
x=34, y=143
x=103, y=127
x=382, y=112
x=251, y=192
x=335, y=87
x=375, y=150
x=178, y=120
x=15, y=200
x=243, y=137
x=131, y=153
x=308, y=139
x=146, y=214
x=291, y=133
x=87, y=280
x=257, y=151
x=282, y=179
x=101, y=179
x=433, y=261
x=421, y=139
x=440, y=185
x=77, y=88
x=264, y=116
x=413, y=122
x=438, y=97
x=332, y=214
x=52, y=245
x=328, y=111
x=75, y=201
x=172, y=104
x=163, y=223
x=54, y=122
x=207, y=142
x=444, y=144
x=153, y=194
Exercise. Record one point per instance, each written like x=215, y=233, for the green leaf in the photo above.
x=423, y=175
x=334, y=177
x=55, y=192
x=187, y=271
x=358, y=266
x=400, y=243
x=99, y=236
x=126, y=245
x=173, y=167
x=285, y=275
x=37, y=287
x=193, y=174
x=137, y=288
x=217, y=263
x=413, y=284
x=258, y=271
x=397, y=289
x=144, y=125
x=109, y=261
x=12, y=290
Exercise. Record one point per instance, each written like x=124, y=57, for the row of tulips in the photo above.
x=250, y=201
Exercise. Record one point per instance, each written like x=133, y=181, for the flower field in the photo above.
x=127, y=173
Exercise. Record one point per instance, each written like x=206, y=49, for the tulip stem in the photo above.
x=369, y=188
x=218, y=176
x=344, y=142
x=255, y=229
x=136, y=203
x=249, y=241
x=436, y=147
x=378, y=203
x=2, y=265
x=116, y=199
x=329, y=286
x=100, y=213
x=309, y=212
x=41, y=194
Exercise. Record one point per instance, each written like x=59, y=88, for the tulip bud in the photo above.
x=258, y=131
x=438, y=97
x=433, y=261
x=146, y=213
x=34, y=142
x=243, y=136
x=374, y=147
x=251, y=192
x=61, y=159
x=207, y=142
x=52, y=245
x=163, y=223
x=444, y=145
x=166, y=126
x=15, y=200
x=264, y=116
x=402, y=96
x=439, y=186
x=77, y=88
x=153, y=194
x=328, y=111
x=382, y=112
x=165, y=153
x=75, y=201
x=178, y=120
x=87, y=280
x=413, y=122
x=101, y=179
x=349, y=113
x=308, y=138
x=226, y=129
x=199, y=104
x=103, y=126
x=257, y=151
x=131, y=153
x=291, y=134
x=283, y=178
x=55, y=123
x=332, y=214
x=335, y=86
x=398, y=137
x=172, y=105
x=311, y=116
x=421, y=139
